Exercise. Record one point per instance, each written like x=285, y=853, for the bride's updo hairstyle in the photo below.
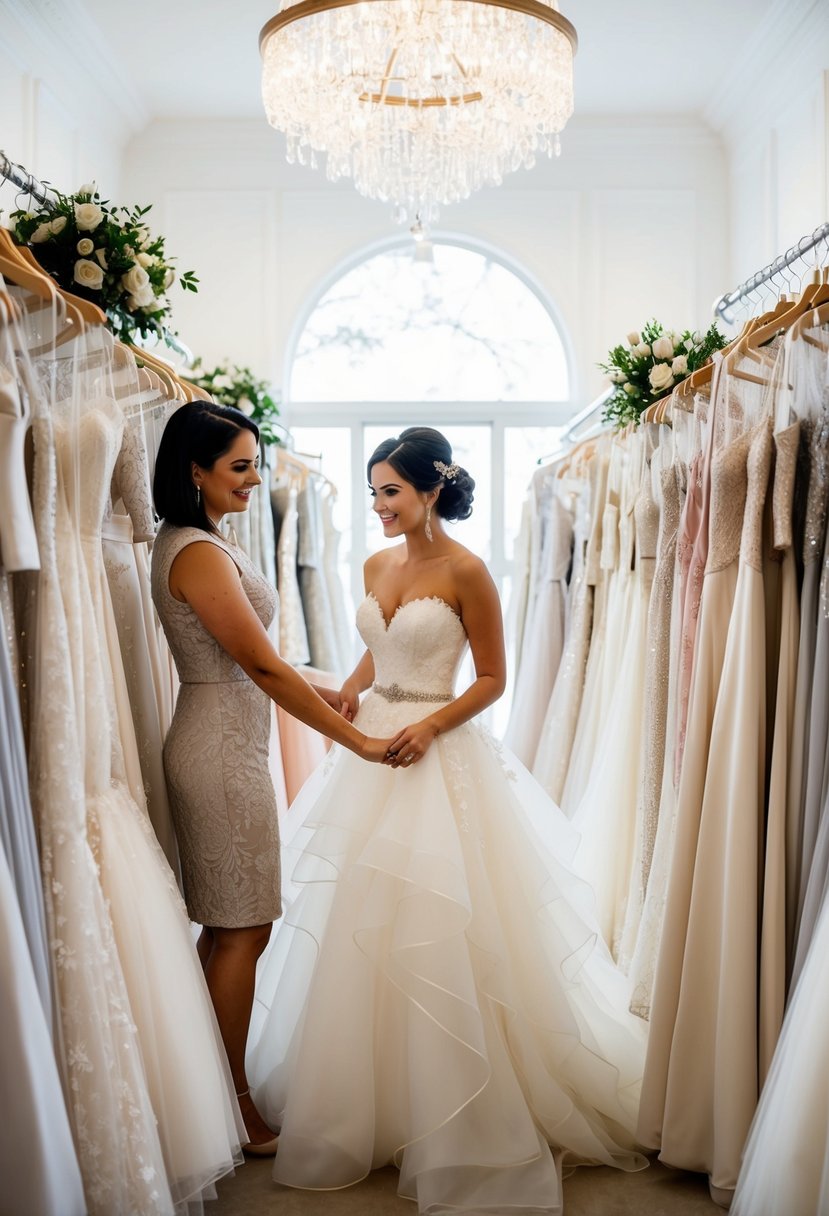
x=413, y=454
x=198, y=432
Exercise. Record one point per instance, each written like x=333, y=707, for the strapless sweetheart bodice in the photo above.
x=418, y=651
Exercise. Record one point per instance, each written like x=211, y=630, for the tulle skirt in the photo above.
x=785, y=1164
x=438, y=994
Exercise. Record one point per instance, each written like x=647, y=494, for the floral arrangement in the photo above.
x=105, y=254
x=649, y=366
x=230, y=384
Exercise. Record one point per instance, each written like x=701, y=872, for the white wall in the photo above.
x=64, y=114
x=637, y=218
x=773, y=111
x=627, y=224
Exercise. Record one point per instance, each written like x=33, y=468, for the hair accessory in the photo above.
x=449, y=471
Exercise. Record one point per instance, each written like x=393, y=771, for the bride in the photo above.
x=438, y=994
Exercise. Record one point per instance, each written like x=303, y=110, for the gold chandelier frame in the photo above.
x=312, y=8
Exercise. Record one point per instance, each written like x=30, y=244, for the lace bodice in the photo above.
x=199, y=658
x=419, y=650
x=88, y=449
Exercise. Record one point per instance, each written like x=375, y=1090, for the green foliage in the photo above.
x=230, y=384
x=651, y=364
x=105, y=254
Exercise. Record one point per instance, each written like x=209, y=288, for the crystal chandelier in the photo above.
x=419, y=101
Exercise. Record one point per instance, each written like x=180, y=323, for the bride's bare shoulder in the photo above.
x=469, y=570
x=377, y=563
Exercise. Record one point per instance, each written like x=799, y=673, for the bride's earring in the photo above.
x=198, y=496
x=428, y=528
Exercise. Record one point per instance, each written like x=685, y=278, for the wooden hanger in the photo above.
x=90, y=313
x=196, y=390
x=186, y=390
x=13, y=267
x=29, y=274
x=814, y=294
x=168, y=385
x=702, y=376
x=811, y=320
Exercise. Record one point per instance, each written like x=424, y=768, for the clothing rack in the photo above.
x=41, y=192
x=725, y=303
x=586, y=422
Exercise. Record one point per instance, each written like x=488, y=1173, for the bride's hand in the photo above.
x=349, y=699
x=330, y=696
x=375, y=749
x=411, y=744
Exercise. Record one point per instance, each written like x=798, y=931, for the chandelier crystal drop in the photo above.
x=420, y=102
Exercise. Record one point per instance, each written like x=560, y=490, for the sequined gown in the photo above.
x=435, y=909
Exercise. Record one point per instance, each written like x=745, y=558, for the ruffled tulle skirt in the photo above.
x=438, y=994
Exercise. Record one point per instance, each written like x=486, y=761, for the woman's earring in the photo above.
x=198, y=496
x=428, y=528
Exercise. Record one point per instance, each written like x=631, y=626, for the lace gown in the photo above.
x=109, y=1108
x=126, y=531
x=184, y=1061
x=436, y=911
x=216, y=755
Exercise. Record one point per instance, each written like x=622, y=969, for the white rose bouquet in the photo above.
x=230, y=384
x=650, y=364
x=107, y=255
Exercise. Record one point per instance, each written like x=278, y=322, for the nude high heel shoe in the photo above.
x=267, y=1148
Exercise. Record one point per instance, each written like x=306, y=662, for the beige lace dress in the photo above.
x=216, y=755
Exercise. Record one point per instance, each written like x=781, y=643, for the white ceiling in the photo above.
x=200, y=58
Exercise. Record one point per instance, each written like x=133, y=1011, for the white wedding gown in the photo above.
x=438, y=994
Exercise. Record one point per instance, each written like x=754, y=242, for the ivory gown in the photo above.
x=184, y=1061
x=544, y=630
x=702, y=1066
x=555, y=743
x=434, y=914
x=606, y=823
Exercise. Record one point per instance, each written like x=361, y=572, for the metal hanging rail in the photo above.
x=18, y=176
x=725, y=303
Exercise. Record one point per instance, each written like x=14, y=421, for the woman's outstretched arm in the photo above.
x=206, y=577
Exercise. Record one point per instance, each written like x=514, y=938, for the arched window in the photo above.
x=459, y=326
x=462, y=340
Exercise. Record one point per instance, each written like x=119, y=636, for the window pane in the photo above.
x=471, y=448
x=333, y=445
x=524, y=446
x=463, y=328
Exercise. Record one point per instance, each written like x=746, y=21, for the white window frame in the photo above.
x=498, y=415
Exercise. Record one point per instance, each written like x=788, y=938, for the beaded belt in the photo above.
x=393, y=692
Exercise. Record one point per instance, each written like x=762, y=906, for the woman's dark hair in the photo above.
x=413, y=454
x=198, y=432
